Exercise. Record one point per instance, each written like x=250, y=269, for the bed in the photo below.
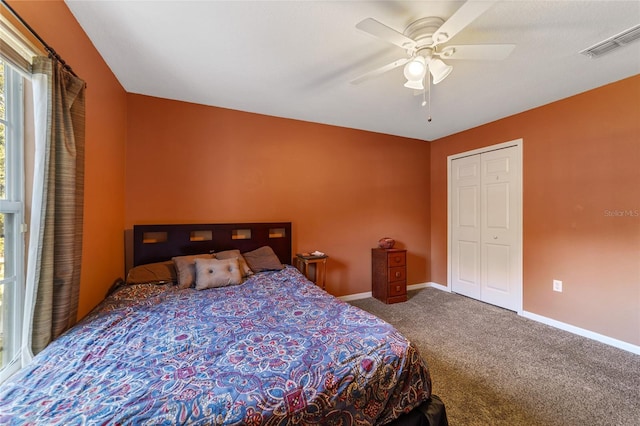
x=271, y=349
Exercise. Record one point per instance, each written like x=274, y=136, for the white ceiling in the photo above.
x=295, y=59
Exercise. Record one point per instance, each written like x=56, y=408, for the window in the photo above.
x=11, y=218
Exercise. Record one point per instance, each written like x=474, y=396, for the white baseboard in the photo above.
x=417, y=286
x=530, y=315
x=367, y=294
x=439, y=286
x=356, y=296
x=583, y=332
x=567, y=327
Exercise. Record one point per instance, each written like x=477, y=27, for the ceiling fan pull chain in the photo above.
x=429, y=89
x=424, y=94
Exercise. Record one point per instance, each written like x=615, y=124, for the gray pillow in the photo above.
x=263, y=259
x=231, y=254
x=159, y=273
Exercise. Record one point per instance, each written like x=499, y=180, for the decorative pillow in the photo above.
x=157, y=273
x=230, y=254
x=186, y=269
x=263, y=259
x=211, y=273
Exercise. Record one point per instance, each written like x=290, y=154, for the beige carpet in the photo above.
x=493, y=367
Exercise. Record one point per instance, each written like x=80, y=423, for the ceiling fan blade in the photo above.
x=467, y=13
x=479, y=52
x=376, y=72
x=380, y=30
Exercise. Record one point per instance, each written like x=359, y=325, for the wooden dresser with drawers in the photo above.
x=389, y=275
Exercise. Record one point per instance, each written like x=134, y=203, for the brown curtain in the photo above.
x=57, y=276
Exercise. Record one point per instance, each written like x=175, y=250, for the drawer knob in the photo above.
x=397, y=274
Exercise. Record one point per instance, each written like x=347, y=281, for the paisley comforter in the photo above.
x=274, y=350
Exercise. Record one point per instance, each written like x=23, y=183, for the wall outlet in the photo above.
x=557, y=285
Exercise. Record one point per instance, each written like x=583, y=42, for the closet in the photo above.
x=485, y=225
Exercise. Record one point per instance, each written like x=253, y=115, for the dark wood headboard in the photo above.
x=156, y=243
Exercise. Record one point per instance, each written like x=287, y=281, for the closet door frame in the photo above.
x=514, y=143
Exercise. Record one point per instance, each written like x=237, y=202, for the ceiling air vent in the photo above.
x=613, y=43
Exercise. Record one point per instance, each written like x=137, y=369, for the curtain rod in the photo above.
x=48, y=48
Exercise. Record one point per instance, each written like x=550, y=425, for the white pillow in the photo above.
x=185, y=269
x=211, y=273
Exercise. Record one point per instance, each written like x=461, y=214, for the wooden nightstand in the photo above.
x=313, y=267
x=389, y=275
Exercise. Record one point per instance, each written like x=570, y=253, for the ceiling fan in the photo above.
x=423, y=41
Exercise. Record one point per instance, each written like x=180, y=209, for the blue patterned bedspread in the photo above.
x=274, y=350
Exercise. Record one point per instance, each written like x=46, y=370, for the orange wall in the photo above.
x=581, y=159
x=342, y=189
x=106, y=116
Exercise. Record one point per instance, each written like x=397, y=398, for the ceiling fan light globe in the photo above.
x=415, y=69
x=414, y=84
x=439, y=70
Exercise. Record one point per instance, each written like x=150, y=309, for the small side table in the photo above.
x=315, y=273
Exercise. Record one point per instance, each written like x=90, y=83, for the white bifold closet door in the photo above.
x=486, y=257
